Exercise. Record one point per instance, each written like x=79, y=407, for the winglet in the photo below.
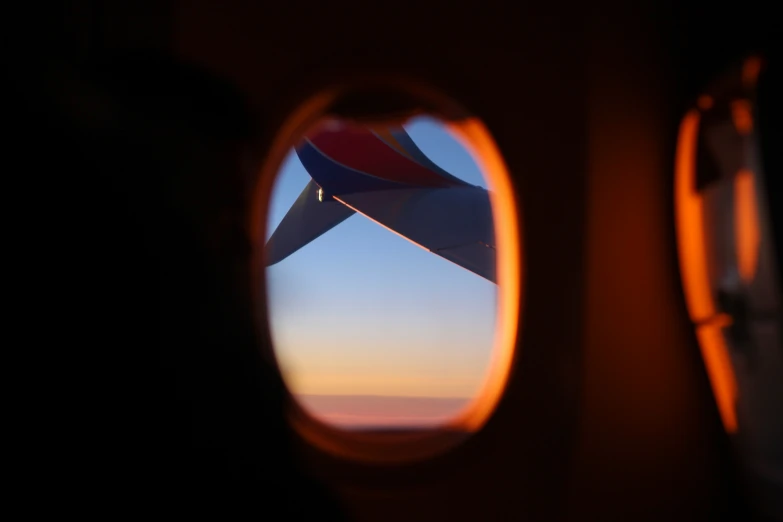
x=309, y=217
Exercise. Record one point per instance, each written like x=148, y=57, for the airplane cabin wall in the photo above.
x=651, y=445
x=608, y=414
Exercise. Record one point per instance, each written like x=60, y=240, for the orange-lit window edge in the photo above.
x=693, y=262
x=475, y=137
x=707, y=320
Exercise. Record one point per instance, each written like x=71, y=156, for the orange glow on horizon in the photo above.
x=693, y=268
x=395, y=379
x=746, y=224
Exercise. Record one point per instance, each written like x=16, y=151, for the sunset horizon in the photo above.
x=382, y=411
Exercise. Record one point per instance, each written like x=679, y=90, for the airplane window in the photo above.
x=728, y=265
x=382, y=278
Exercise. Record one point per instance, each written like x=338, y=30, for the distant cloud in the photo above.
x=351, y=411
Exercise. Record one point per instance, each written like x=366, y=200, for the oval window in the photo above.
x=730, y=270
x=384, y=276
x=726, y=251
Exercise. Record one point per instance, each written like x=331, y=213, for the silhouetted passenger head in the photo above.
x=162, y=393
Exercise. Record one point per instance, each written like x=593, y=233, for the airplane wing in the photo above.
x=383, y=175
x=454, y=223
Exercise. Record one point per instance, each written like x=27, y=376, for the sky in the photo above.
x=371, y=330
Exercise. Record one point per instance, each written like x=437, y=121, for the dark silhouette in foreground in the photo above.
x=153, y=394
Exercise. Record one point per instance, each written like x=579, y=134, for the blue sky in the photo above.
x=361, y=311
